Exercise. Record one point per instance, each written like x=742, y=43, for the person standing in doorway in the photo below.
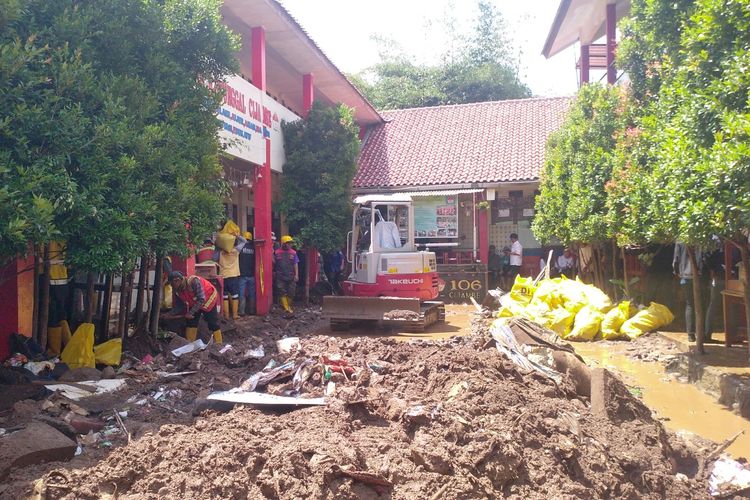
x=229, y=269
x=683, y=268
x=336, y=262
x=247, y=276
x=286, y=272
x=516, y=257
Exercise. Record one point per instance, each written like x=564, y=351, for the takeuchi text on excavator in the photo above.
x=391, y=281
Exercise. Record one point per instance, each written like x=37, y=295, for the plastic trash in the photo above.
x=109, y=352
x=614, y=320
x=651, y=318
x=79, y=352
x=586, y=324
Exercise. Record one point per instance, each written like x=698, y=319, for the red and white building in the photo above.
x=282, y=71
x=472, y=170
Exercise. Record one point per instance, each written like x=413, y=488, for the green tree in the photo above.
x=321, y=160
x=703, y=172
x=572, y=204
x=107, y=138
x=473, y=68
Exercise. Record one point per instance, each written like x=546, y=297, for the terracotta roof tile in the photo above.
x=499, y=141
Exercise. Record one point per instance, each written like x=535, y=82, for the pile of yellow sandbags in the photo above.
x=577, y=311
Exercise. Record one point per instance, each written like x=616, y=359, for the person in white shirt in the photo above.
x=516, y=257
x=566, y=264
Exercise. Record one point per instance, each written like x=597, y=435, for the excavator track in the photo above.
x=406, y=314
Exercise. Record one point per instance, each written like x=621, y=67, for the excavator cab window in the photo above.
x=362, y=229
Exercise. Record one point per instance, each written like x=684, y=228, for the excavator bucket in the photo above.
x=407, y=313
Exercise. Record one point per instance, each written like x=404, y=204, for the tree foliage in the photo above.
x=321, y=160
x=581, y=155
x=107, y=138
x=479, y=69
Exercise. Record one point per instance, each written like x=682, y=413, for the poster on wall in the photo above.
x=436, y=217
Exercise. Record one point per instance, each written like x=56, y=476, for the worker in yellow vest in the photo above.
x=58, y=330
x=229, y=269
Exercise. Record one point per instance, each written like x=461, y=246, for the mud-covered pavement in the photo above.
x=427, y=419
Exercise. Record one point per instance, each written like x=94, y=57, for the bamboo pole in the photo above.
x=106, y=308
x=142, y=288
x=153, y=323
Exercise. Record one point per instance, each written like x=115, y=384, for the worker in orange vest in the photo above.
x=195, y=297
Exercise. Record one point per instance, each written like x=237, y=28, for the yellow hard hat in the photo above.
x=247, y=235
x=286, y=239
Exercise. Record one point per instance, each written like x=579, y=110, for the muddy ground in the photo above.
x=424, y=419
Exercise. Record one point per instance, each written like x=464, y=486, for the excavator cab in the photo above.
x=390, y=278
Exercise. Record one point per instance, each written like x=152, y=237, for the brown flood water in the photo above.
x=681, y=406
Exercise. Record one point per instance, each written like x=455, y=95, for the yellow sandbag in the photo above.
x=225, y=241
x=596, y=297
x=79, y=352
x=653, y=317
x=614, y=319
x=573, y=295
x=547, y=292
x=536, y=308
x=523, y=290
x=560, y=321
x=166, y=301
x=230, y=228
x=109, y=352
x=586, y=325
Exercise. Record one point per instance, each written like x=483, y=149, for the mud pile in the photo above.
x=422, y=419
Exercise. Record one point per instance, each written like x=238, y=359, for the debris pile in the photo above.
x=449, y=419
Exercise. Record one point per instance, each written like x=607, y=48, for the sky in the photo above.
x=343, y=29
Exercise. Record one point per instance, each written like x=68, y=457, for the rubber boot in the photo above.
x=218, y=338
x=54, y=340
x=242, y=305
x=191, y=333
x=289, y=305
x=235, y=304
x=284, y=303
x=66, y=333
x=225, y=308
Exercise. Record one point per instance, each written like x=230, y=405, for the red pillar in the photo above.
x=186, y=265
x=611, y=44
x=484, y=232
x=16, y=301
x=585, y=61
x=262, y=191
x=308, y=96
x=307, y=93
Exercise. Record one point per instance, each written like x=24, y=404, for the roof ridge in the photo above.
x=467, y=104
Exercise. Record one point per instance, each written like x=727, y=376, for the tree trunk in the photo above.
x=142, y=287
x=124, y=306
x=697, y=301
x=35, y=330
x=153, y=322
x=625, y=277
x=311, y=254
x=614, y=268
x=44, y=300
x=106, y=308
x=90, y=300
x=746, y=288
